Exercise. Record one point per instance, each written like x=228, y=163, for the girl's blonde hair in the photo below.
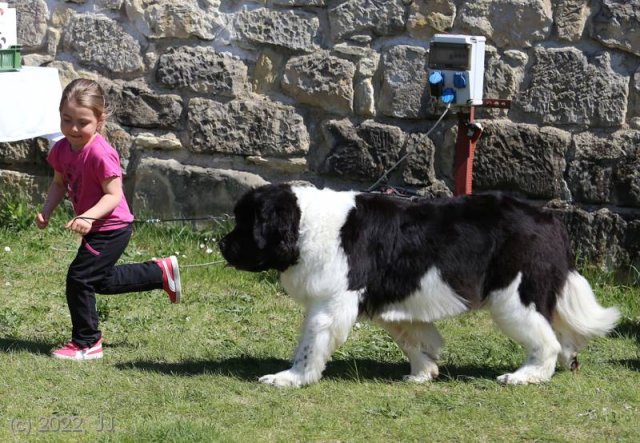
x=88, y=94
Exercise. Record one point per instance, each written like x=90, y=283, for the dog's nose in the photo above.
x=221, y=243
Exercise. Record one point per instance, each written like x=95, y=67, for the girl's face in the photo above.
x=78, y=124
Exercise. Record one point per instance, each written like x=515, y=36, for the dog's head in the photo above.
x=266, y=232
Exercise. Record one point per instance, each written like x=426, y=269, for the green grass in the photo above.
x=189, y=372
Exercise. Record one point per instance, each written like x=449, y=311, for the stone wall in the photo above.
x=211, y=97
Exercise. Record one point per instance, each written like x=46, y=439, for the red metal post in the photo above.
x=468, y=135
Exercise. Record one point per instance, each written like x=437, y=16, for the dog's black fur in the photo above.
x=266, y=232
x=408, y=263
x=478, y=242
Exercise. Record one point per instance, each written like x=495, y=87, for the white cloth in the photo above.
x=8, y=33
x=29, y=100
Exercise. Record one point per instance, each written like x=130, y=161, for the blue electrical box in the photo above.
x=456, y=69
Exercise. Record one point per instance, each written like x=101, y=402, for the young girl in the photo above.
x=87, y=169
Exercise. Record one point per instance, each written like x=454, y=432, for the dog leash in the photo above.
x=407, y=154
x=157, y=221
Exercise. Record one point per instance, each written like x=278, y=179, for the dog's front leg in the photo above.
x=326, y=326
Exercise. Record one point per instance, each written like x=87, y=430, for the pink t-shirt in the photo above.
x=83, y=172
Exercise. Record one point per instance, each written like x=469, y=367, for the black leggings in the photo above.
x=94, y=271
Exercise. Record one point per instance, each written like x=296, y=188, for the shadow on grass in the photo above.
x=629, y=328
x=629, y=363
x=251, y=368
x=13, y=344
x=367, y=369
x=247, y=368
x=469, y=374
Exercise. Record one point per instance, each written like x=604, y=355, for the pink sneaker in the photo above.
x=171, y=278
x=71, y=351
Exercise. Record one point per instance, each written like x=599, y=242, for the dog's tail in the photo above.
x=578, y=316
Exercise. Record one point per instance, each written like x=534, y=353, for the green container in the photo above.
x=10, y=58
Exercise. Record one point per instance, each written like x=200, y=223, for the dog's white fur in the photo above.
x=319, y=281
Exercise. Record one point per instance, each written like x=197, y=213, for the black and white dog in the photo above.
x=405, y=264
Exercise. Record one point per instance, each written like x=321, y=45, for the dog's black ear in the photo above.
x=277, y=224
x=261, y=229
x=287, y=250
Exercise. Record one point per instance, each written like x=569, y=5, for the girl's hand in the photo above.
x=41, y=221
x=80, y=226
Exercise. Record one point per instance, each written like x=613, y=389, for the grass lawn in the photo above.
x=189, y=372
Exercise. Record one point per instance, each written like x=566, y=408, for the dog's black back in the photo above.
x=479, y=243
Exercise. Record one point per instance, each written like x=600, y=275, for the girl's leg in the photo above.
x=94, y=271
x=94, y=261
x=138, y=277
x=135, y=277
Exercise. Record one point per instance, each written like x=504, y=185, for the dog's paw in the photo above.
x=284, y=379
x=510, y=379
x=519, y=379
x=420, y=378
x=427, y=374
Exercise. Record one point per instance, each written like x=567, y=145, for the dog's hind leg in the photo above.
x=570, y=343
x=527, y=326
x=578, y=317
x=326, y=326
x=421, y=343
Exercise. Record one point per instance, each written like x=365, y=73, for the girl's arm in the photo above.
x=112, y=189
x=54, y=196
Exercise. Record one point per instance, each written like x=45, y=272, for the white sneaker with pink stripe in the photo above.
x=71, y=351
x=171, y=278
